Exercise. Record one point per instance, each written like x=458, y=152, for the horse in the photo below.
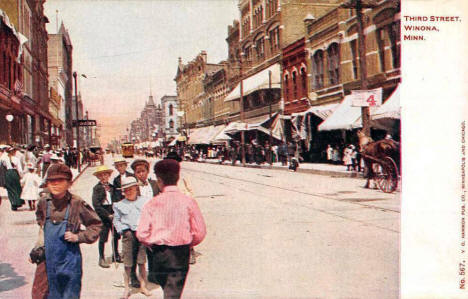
x=377, y=150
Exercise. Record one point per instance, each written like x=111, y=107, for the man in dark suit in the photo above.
x=102, y=203
x=148, y=188
x=121, y=166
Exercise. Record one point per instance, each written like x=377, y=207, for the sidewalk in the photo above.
x=4, y=194
x=315, y=168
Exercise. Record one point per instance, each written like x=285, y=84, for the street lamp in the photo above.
x=9, y=117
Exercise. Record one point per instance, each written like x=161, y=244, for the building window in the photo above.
x=294, y=82
x=304, y=81
x=274, y=39
x=318, y=69
x=286, y=87
x=381, y=44
x=171, y=124
x=260, y=47
x=333, y=64
x=353, y=45
x=171, y=110
x=394, y=35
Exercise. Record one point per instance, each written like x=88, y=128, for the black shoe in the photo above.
x=14, y=208
x=117, y=259
x=135, y=283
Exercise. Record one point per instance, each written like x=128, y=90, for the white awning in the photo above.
x=345, y=117
x=173, y=142
x=323, y=111
x=21, y=38
x=204, y=135
x=391, y=107
x=256, y=82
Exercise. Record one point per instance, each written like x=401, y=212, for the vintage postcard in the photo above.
x=233, y=148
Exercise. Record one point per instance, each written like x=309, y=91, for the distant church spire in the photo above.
x=150, y=99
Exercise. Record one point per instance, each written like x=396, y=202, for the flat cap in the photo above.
x=59, y=171
x=167, y=166
x=139, y=162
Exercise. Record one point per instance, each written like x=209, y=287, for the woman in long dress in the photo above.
x=12, y=179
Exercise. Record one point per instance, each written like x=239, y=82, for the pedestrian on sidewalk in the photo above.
x=148, y=188
x=102, y=203
x=126, y=216
x=45, y=159
x=60, y=215
x=12, y=178
x=30, y=183
x=169, y=225
x=347, y=157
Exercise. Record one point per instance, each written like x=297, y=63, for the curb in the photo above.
x=302, y=170
x=79, y=174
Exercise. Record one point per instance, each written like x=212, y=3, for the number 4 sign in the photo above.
x=366, y=98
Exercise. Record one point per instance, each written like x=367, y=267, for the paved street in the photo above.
x=271, y=234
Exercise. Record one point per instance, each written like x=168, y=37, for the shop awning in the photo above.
x=256, y=82
x=173, y=142
x=204, y=135
x=261, y=123
x=390, y=108
x=345, y=117
x=323, y=111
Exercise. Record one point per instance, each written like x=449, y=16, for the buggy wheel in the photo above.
x=387, y=179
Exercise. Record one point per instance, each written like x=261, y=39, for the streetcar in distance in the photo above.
x=128, y=150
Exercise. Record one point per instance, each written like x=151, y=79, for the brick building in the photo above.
x=34, y=123
x=295, y=78
x=150, y=124
x=10, y=76
x=266, y=27
x=60, y=53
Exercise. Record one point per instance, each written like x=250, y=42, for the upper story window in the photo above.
x=304, y=80
x=333, y=64
x=353, y=44
x=274, y=39
x=318, y=69
x=286, y=86
x=294, y=82
x=171, y=110
x=394, y=35
x=260, y=47
x=171, y=124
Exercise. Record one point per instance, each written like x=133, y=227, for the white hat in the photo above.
x=30, y=166
x=128, y=181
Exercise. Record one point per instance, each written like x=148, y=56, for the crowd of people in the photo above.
x=133, y=210
x=22, y=167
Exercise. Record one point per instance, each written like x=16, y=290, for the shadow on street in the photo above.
x=9, y=279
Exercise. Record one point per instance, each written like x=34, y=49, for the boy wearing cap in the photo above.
x=102, y=203
x=126, y=216
x=61, y=214
x=121, y=166
x=169, y=225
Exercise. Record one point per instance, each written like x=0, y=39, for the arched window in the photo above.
x=171, y=110
x=304, y=81
x=286, y=87
x=171, y=124
x=318, y=69
x=294, y=82
x=333, y=64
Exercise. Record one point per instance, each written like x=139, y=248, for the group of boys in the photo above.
x=148, y=231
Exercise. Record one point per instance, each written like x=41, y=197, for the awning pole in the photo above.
x=269, y=101
x=242, y=111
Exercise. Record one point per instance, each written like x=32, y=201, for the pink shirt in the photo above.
x=171, y=218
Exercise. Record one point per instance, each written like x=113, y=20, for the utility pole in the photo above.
x=358, y=5
x=77, y=124
x=269, y=106
x=242, y=111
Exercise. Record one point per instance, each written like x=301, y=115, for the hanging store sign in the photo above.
x=85, y=123
x=366, y=98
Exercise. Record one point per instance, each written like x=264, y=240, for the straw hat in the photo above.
x=102, y=169
x=120, y=161
x=128, y=181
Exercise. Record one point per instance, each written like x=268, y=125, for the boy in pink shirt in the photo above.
x=170, y=224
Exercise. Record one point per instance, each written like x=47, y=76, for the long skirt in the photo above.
x=13, y=186
x=2, y=175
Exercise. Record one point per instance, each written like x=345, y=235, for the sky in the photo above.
x=125, y=46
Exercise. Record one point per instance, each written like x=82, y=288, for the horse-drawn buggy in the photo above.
x=95, y=155
x=382, y=160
